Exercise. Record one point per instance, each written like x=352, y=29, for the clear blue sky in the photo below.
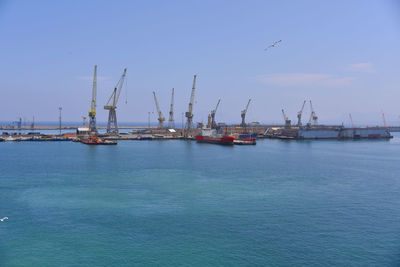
x=344, y=55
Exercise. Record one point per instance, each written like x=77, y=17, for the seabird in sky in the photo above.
x=273, y=45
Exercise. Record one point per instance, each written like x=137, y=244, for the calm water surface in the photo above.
x=177, y=203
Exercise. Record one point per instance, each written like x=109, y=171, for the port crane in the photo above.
x=92, y=111
x=243, y=114
x=384, y=119
x=288, y=122
x=85, y=122
x=171, y=122
x=161, y=118
x=213, y=112
x=300, y=113
x=313, y=116
x=189, y=113
x=351, y=120
x=111, y=106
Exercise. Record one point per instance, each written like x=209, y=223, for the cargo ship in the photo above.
x=208, y=135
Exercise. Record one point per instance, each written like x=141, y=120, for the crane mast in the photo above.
x=189, y=113
x=111, y=106
x=171, y=122
x=243, y=114
x=351, y=120
x=161, y=118
x=213, y=112
x=384, y=119
x=287, y=120
x=299, y=114
x=92, y=111
x=313, y=116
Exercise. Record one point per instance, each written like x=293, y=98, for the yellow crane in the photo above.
x=92, y=111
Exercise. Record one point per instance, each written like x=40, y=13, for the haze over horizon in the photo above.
x=343, y=55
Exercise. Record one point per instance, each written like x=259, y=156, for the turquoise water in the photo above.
x=177, y=203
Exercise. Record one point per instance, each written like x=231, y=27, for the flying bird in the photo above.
x=273, y=45
x=2, y=220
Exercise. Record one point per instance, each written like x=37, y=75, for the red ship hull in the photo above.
x=225, y=140
x=90, y=142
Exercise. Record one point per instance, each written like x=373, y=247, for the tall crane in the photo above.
x=288, y=122
x=171, y=122
x=92, y=111
x=313, y=116
x=213, y=123
x=111, y=106
x=85, y=122
x=161, y=118
x=384, y=119
x=351, y=120
x=300, y=113
x=243, y=114
x=189, y=113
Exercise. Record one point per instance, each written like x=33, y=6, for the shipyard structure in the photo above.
x=328, y=132
x=212, y=132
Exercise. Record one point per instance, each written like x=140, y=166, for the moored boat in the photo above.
x=97, y=141
x=12, y=139
x=246, y=139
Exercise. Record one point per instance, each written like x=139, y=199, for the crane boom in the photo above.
x=351, y=120
x=287, y=120
x=171, y=122
x=243, y=114
x=213, y=112
x=216, y=107
x=189, y=113
x=300, y=113
x=384, y=119
x=94, y=93
x=192, y=95
x=161, y=118
x=113, y=100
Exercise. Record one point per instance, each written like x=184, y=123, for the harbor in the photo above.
x=211, y=132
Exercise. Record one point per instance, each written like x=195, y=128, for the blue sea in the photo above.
x=179, y=203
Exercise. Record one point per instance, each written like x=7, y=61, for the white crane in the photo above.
x=171, y=122
x=287, y=120
x=92, y=111
x=384, y=119
x=351, y=120
x=243, y=114
x=189, y=113
x=313, y=116
x=161, y=118
x=85, y=122
x=213, y=112
x=299, y=114
x=111, y=106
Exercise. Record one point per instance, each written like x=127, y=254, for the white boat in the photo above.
x=11, y=139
